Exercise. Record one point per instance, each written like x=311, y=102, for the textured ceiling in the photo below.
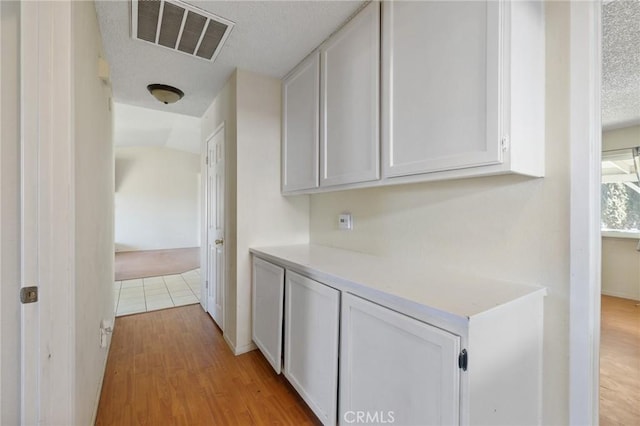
x=621, y=63
x=270, y=37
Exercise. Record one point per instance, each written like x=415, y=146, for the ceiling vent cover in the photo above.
x=179, y=26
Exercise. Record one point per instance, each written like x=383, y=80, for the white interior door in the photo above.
x=215, y=226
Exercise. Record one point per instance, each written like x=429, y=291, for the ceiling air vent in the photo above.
x=179, y=26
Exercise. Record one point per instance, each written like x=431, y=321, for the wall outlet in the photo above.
x=345, y=222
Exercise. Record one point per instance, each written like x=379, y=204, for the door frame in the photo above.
x=204, y=301
x=10, y=306
x=585, y=240
x=47, y=212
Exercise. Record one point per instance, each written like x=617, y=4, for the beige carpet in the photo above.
x=152, y=263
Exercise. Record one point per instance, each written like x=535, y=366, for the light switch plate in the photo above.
x=345, y=221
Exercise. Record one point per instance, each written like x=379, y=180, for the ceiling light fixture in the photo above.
x=165, y=94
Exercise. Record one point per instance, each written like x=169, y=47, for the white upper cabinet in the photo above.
x=463, y=88
x=349, y=136
x=433, y=90
x=300, y=121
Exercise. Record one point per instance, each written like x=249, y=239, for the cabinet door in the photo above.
x=267, y=304
x=350, y=143
x=300, y=122
x=395, y=367
x=441, y=86
x=311, y=343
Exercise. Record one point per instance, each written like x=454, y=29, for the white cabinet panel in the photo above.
x=398, y=352
x=311, y=343
x=441, y=94
x=349, y=136
x=396, y=367
x=463, y=86
x=300, y=126
x=267, y=304
x=462, y=95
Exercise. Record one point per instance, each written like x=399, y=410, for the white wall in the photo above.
x=620, y=268
x=156, y=198
x=93, y=211
x=137, y=126
x=9, y=212
x=507, y=227
x=627, y=137
x=255, y=212
x=265, y=217
x=620, y=260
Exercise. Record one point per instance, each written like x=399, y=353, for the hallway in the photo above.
x=173, y=367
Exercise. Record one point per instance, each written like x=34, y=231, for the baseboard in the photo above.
x=246, y=348
x=138, y=250
x=240, y=349
x=621, y=294
x=104, y=371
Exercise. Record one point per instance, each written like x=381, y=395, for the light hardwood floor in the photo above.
x=620, y=362
x=172, y=367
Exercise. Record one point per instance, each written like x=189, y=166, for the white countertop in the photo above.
x=372, y=277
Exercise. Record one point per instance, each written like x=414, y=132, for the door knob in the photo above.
x=218, y=242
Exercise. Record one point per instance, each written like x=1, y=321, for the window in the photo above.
x=620, y=191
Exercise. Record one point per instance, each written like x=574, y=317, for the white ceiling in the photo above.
x=138, y=126
x=270, y=37
x=621, y=64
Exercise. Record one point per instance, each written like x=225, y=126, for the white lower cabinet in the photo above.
x=268, y=299
x=431, y=349
x=395, y=369
x=312, y=312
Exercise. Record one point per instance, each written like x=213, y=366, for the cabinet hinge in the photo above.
x=206, y=160
x=206, y=284
x=463, y=360
x=504, y=143
x=29, y=294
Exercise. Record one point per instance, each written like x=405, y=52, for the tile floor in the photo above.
x=152, y=294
